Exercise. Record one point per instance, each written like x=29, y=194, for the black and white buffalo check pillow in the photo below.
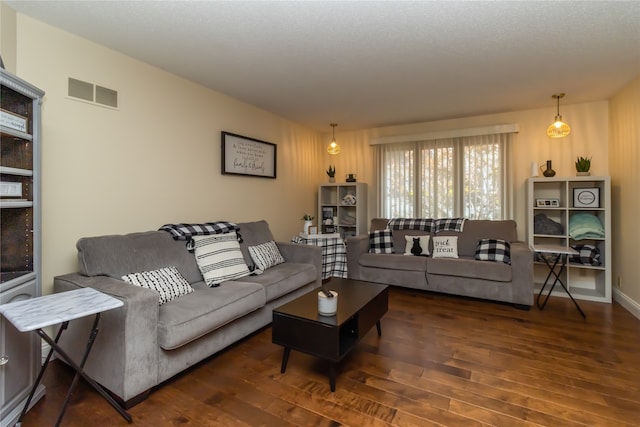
x=494, y=250
x=587, y=255
x=381, y=242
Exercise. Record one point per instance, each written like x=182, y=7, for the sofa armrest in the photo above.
x=293, y=252
x=522, y=273
x=356, y=246
x=124, y=358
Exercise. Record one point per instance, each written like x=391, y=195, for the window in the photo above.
x=444, y=178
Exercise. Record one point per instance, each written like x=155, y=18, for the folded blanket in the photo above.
x=583, y=225
x=544, y=225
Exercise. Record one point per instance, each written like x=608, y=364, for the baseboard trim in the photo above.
x=630, y=305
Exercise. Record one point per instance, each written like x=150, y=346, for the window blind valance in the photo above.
x=454, y=133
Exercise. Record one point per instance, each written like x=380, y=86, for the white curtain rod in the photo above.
x=454, y=133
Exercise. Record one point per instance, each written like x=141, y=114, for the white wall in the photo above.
x=156, y=159
x=589, y=136
x=625, y=179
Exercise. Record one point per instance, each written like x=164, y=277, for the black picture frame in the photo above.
x=246, y=156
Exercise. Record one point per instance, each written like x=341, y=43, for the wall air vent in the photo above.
x=91, y=93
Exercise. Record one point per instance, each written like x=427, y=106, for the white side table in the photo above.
x=561, y=254
x=37, y=313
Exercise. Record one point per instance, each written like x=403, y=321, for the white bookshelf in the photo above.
x=585, y=282
x=352, y=218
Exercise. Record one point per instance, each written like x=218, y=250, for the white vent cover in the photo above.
x=95, y=94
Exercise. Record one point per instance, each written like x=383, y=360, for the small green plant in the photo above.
x=583, y=164
x=331, y=171
x=307, y=217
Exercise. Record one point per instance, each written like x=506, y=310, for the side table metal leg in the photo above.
x=379, y=328
x=552, y=270
x=41, y=373
x=79, y=370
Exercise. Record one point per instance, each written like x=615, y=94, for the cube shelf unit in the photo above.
x=585, y=282
x=352, y=218
x=20, y=358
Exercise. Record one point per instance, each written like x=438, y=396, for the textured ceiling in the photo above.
x=368, y=64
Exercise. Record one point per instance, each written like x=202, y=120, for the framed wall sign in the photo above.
x=586, y=197
x=242, y=155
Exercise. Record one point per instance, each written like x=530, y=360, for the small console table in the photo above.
x=561, y=254
x=37, y=313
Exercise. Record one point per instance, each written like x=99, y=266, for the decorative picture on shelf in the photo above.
x=586, y=197
x=547, y=203
x=327, y=213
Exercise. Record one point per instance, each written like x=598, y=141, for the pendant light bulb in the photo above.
x=333, y=147
x=558, y=129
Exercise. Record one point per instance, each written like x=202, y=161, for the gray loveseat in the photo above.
x=466, y=276
x=142, y=344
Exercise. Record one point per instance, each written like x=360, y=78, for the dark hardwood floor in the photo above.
x=440, y=361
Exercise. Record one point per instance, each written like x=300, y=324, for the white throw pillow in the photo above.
x=265, y=255
x=219, y=258
x=445, y=247
x=424, y=244
x=167, y=282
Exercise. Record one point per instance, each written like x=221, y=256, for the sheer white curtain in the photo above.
x=450, y=177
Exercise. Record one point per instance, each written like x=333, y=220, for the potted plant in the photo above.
x=583, y=164
x=331, y=172
x=307, y=222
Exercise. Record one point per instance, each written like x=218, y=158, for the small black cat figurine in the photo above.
x=416, y=249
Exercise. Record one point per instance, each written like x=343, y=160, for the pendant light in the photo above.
x=558, y=129
x=333, y=147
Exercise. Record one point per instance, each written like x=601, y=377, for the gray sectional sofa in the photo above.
x=142, y=344
x=466, y=276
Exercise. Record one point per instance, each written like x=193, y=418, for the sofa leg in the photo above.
x=522, y=307
x=135, y=400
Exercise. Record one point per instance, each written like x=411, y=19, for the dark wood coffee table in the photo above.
x=297, y=324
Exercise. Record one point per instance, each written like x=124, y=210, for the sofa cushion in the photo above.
x=497, y=250
x=423, y=244
x=470, y=268
x=394, y=262
x=381, y=242
x=204, y=310
x=117, y=255
x=284, y=278
x=167, y=282
x=474, y=230
x=445, y=247
x=219, y=258
x=265, y=255
x=399, y=240
x=253, y=234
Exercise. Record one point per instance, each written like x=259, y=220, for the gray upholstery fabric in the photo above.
x=117, y=255
x=192, y=316
x=463, y=276
x=470, y=268
x=283, y=278
x=128, y=357
x=394, y=262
